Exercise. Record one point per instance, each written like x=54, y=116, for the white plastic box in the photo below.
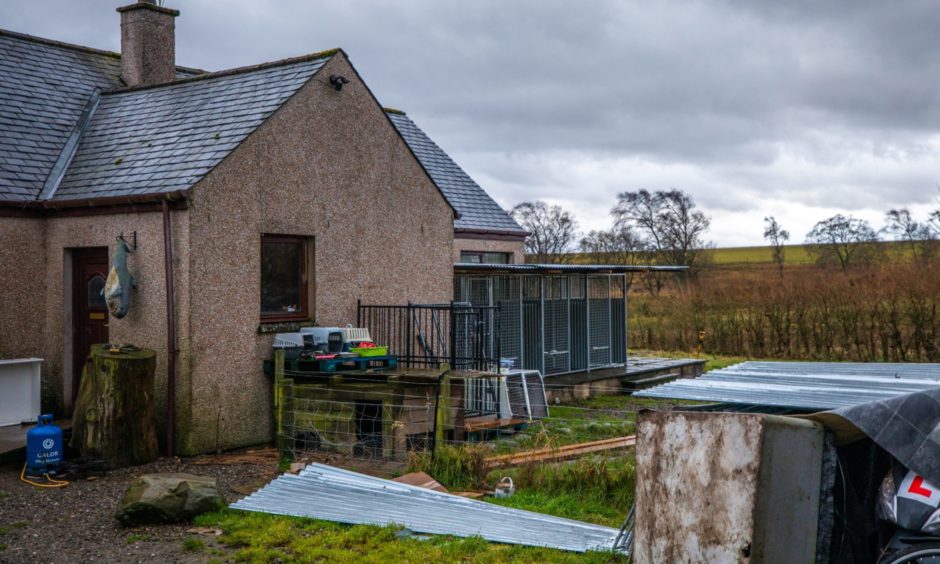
x=19, y=390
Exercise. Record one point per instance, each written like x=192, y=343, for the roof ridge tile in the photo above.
x=233, y=71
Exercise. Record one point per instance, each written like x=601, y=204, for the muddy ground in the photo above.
x=77, y=524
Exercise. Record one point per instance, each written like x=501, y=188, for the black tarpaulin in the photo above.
x=906, y=426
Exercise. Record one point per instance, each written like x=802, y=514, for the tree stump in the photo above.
x=114, y=414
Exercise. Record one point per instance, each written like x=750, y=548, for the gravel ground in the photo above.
x=77, y=524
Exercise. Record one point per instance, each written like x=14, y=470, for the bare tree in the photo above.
x=917, y=237
x=778, y=237
x=845, y=240
x=617, y=245
x=668, y=221
x=933, y=224
x=551, y=230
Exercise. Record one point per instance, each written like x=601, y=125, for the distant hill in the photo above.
x=726, y=256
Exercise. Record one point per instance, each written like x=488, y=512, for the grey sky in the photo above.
x=798, y=109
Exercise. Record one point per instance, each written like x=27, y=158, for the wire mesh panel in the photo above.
x=618, y=320
x=376, y=421
x=478, y=291
x=506, y=294
x=481, y=397
x=577, y=322
x=555, y=324
x=599, y=320
x=475, y=337
x=535, y=389
x=532, y=356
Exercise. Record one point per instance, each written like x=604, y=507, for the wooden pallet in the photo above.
x=348, y=364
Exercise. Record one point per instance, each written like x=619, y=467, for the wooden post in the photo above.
x=278, y=391
x=283, y=395
x=442, y=406
x=114, y=417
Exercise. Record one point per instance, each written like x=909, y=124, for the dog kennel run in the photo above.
x=554, y=318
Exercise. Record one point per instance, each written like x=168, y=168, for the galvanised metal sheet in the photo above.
x=332, y=494
x=810, y=386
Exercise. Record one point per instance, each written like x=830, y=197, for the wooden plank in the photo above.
x=559, y=453
x=260, y=456
x=473, y=426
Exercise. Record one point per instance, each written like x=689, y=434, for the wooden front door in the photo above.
x=89, y=309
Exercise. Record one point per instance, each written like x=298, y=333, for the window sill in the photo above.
x=284, y=326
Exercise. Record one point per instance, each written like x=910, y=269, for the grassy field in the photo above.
x=794, y=255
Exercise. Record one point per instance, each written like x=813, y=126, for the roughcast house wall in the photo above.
x=329, y=166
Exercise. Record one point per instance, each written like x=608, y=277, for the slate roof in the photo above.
x=166, y=138
x=478, y=211
x=44, y=86
x=162, y=138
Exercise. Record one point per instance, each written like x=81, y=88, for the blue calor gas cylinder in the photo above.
x=44, y=448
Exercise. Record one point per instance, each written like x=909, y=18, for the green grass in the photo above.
x=256, y=537
x=456, y=467
x=597, y=489
x=135, y=538
x=570, y=424
x=192, y=544
x=792, y=255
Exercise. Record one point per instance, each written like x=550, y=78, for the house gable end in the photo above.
x=391, y=123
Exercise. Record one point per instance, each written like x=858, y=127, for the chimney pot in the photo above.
x=148, y=43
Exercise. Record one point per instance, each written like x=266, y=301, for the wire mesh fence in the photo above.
x=395, y=416
x=373, y=417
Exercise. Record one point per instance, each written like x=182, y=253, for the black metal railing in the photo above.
x=465, y=336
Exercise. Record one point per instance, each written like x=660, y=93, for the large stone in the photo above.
x=168, y=498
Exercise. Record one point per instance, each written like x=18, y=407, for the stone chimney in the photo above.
x=148, y=43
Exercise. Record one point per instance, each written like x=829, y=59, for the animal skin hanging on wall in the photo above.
x=117, y=289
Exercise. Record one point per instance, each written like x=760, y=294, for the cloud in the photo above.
x=801, y=109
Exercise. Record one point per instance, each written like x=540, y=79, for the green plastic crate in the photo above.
x=370, y=351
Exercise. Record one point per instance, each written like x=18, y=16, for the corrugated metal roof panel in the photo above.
x=325, y=492
x=810, y=386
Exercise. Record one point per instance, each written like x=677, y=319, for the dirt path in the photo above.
x=77, y=524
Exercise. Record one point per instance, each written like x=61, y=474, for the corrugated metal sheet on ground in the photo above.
x=332, y=494
x=811, y=386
